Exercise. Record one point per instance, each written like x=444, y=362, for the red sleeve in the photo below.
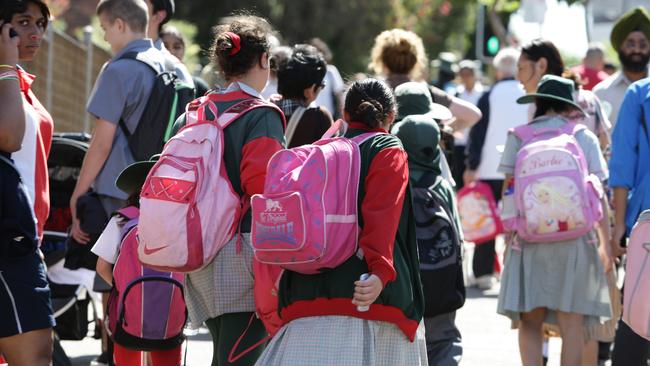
x=255, y=157
x=381, y=209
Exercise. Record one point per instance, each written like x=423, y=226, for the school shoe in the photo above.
x=486, y=282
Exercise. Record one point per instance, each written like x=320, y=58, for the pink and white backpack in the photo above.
x=146, y=309
x=636, y=307
x=556, y=198
x=188, y=208
x=306, y=219
x=478, y=213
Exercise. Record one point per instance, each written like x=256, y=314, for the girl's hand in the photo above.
x=606, y=257
x=615, y=243
x=77, y=234
x=8, y=46
x=366, y=292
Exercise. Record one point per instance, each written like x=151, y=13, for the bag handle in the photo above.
x=293, y=123
x=231, y=356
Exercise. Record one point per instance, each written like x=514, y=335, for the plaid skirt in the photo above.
x=343, y=340
x=223, y=286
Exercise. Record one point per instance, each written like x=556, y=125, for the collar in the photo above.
x=365, y=127
x=135, y=45
x=238, y=85
x=26, y=79
x=621, y=78
x=159, y=45
x=289, y=106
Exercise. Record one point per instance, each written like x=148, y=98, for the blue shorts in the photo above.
x=24, y=296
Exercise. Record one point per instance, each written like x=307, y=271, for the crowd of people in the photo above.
x=392, y=302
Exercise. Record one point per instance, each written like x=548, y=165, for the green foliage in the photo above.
x=348, y=26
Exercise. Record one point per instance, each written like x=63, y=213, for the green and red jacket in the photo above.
x=387, y=241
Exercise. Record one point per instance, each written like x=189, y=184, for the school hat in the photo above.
x=637, y=19
x=553, y=87
x=133, y=176
x=414, y=98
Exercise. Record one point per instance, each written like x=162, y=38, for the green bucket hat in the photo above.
x=414, y=98
x=553, y=87
x=637, y=19
x=132, y=178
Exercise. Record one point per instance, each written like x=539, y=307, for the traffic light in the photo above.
x=487, y=43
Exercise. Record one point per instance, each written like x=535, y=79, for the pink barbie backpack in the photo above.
x=555, y=196
x=146, y=308
x=478, y=213
x=188, y=208
x=636, y=302
x=306, y=219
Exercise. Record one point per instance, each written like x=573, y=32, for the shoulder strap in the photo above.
x=141, y=56
x=236, y=111
x=360, y=139
x=293, y=123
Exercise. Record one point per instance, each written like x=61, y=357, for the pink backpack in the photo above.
x=556, y=198
x=188, y=208
x=306, y=219
x=636, y=302
x=146, y=309
x=478, y=213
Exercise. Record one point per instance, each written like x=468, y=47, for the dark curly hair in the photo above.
x=305, y=68
x=370, y=101
x=253, y=31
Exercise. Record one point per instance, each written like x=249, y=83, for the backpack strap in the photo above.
x=9, y=162
x=142, y=57
x=360, y=139
x=293, y=123
x=196, y=111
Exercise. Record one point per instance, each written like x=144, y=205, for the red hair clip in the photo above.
x=236, y=43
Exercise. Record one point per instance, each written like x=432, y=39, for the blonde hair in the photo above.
x=398, y=51
x=553, y=194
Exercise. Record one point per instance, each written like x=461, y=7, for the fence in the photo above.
x=65, y=71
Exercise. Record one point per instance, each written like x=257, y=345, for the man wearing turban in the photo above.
x=630, y=37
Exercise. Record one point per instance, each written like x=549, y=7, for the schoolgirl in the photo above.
x=323, y=323
x=560, y=282
x=221, y=294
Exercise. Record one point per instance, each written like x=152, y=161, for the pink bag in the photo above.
x=636, y=302
x=478, y=213
x=146, y=308
x=306, y=219
x=188, y=208
x=556, y=198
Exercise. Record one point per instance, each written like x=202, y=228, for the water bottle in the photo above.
x=363, y=277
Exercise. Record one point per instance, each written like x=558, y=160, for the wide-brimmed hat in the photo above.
x=415, y=98
x=637, y=19
x=553, y=87
x=132, y=178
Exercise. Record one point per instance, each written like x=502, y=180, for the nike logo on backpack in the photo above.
x=148, y=251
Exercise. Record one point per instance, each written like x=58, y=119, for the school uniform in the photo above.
x=221, y=294
x=565, y=276
x=25, y=303
x=391, y=331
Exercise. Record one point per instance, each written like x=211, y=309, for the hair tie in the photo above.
x=236, y=43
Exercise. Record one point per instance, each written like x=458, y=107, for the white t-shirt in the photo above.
x=25, y=158
x=107, y=247
x=333, y=85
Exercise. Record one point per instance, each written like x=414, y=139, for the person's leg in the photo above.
x=214, y=325
x=126, y=357
x=531, y=337
x=28, y=349
x=443, y=340
x=232, y=326
x=630, y=349
x=590, y=353
x=572, y=329
x=171, y=357
x=458, y=165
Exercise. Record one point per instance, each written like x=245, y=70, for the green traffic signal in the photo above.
x=493, y=45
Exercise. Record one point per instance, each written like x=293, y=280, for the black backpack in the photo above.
x=17, y=222
x=166, y=103
x=439, y=247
